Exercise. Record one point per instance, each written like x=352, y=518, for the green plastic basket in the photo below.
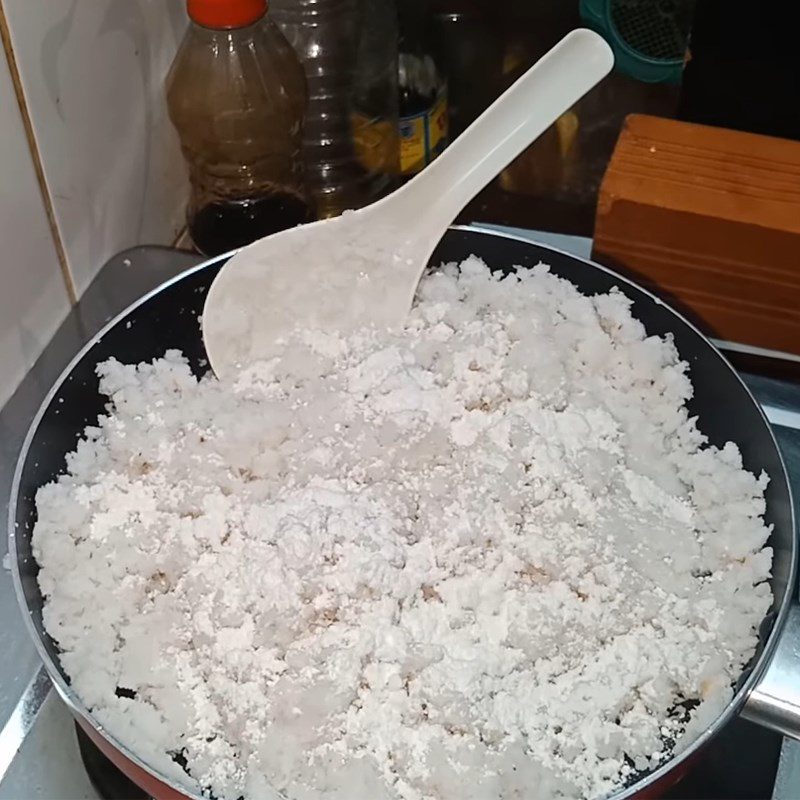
x=649, y=37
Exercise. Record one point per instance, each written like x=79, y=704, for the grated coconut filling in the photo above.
x=486, y=556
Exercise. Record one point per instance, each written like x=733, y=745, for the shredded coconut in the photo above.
x=488, y=555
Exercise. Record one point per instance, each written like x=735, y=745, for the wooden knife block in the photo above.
x=709, y=219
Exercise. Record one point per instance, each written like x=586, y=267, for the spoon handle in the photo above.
x=517, y=118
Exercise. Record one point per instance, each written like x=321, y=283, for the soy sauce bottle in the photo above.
x=236, y=95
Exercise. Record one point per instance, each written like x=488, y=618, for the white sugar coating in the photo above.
x=485, y=556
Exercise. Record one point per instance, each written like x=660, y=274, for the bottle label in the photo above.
x=423, y=136
x=438, y=128
x=375, y=142
x=412, y=143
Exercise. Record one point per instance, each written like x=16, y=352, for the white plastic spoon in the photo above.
x=362, y=268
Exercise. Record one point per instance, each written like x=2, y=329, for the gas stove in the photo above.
x=42, y=752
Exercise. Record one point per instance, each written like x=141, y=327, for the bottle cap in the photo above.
x=226, y=14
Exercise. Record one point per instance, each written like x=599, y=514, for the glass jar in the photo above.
x=424, y=116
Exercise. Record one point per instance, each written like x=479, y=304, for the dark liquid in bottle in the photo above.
x=225, y=225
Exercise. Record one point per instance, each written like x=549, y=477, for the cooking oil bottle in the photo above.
x=236, y=95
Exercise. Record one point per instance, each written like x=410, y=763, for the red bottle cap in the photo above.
x=226, y=14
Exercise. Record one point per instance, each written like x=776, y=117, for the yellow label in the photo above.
x=375, y=142
x=412, y=144
x=438, y=128
x=423, y=136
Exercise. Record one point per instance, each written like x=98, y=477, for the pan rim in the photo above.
x=78, y=707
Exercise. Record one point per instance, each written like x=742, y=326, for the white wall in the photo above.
x=91, y=74
x=33, y=295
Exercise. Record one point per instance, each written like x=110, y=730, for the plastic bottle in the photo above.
x=349, y=49
x=236, y=95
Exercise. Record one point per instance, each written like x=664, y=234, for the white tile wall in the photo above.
x=33, y=294
x=93, y=72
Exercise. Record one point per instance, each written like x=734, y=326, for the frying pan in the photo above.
x=769, y=690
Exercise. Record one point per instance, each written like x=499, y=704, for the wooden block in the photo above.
x=710, y=219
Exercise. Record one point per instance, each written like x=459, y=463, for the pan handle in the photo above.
x=774, y=702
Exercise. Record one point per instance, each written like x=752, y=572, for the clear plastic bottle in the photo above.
x=349, y=49
x=236, y=94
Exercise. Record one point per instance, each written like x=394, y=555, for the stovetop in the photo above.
x=41, y=755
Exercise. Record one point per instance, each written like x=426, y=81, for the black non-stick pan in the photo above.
x=168, y=318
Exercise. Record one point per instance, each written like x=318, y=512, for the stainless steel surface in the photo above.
x=775, y=701
x=23, y=718
x=787, y=781
x=23, y=693
x=48, y=766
